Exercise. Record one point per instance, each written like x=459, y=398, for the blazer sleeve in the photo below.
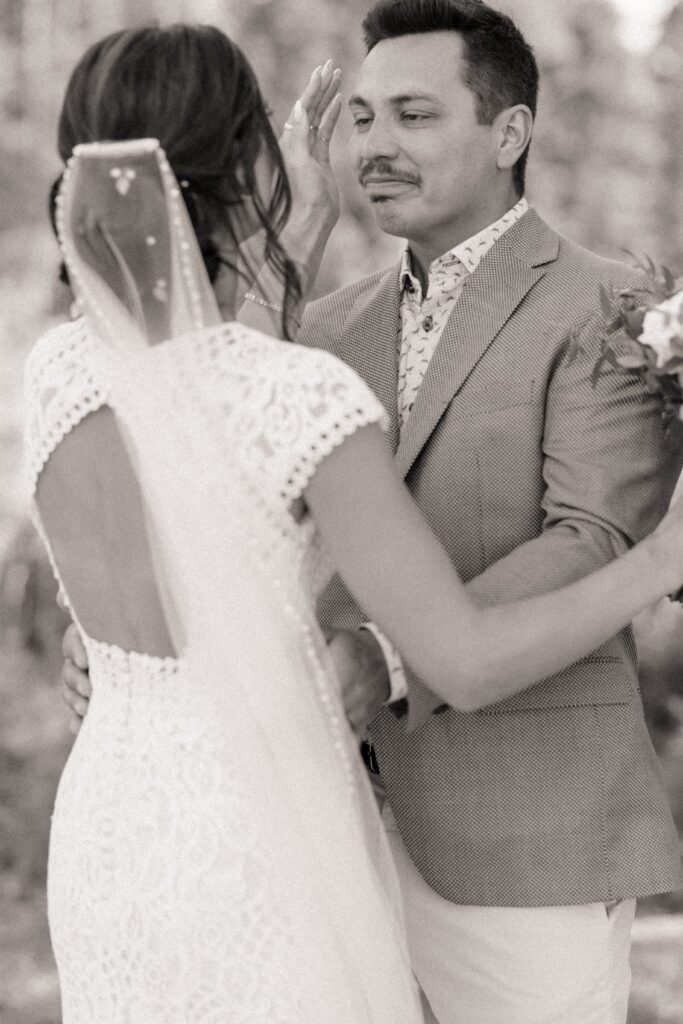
x=609, y=471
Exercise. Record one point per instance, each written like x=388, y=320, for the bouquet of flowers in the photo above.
x=646, y=335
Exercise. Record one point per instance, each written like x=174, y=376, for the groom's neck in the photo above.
x=465, y=225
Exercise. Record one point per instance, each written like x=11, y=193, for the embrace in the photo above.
x=350, y=579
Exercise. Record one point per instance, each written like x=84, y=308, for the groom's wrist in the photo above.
x=396, y=677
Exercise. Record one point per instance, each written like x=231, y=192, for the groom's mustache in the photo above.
x=382, y=170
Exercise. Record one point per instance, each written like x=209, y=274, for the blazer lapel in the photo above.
x=488, y=300
x=370, y=344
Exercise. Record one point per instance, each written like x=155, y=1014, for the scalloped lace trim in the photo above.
x=61, y=390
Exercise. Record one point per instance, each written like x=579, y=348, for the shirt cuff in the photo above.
x=398, y=684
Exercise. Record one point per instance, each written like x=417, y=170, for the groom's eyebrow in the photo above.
x=412, y=97
x=397, y=101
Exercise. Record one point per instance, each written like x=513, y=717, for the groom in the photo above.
x=524, y=831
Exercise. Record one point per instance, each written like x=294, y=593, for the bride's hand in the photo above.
x=305, y=145
x=667, y=544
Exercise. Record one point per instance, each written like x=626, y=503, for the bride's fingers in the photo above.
x=313, y=89
x=327, y=94
x=295, y=141
x=328, y=74
x=326, y=128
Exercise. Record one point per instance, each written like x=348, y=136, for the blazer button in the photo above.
x=428, y=323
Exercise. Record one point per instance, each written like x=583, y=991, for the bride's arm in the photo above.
x=404, y=580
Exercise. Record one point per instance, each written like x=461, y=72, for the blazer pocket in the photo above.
x=478, y=400
x=595, y=680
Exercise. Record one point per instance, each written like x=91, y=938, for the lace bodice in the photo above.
x=282, y=409
x=283, y=406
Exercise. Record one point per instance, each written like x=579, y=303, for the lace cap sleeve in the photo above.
x=321, y=401
x=60, y=389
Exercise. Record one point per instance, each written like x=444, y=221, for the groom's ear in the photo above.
x=513, y=129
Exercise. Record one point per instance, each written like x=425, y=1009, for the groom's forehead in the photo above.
x=428, y=63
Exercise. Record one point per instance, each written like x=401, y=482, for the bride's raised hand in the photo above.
x=305, y=145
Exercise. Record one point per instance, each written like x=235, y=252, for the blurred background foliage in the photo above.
x=605, y=169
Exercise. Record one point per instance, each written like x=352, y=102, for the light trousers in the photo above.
x=514, y=965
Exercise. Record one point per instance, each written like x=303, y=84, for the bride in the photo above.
x=215, y=853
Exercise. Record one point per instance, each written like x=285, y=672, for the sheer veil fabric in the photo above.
x=237, y=612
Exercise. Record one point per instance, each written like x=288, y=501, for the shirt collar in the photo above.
x=468, y=253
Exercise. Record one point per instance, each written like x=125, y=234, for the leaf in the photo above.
x=632, y=362
x=607, y=358
x=669, y=280
x=643, y=263
x=629, y=354
x=652, y=381
x=575, y=349
x=607, y=303
x=633, y=323
x=633, y=293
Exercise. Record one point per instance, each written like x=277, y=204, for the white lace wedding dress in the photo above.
x=213, y=862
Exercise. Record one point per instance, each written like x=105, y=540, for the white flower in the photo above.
x=662, y=325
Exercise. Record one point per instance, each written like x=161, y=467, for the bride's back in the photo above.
x=88, y=499
x=92, y=512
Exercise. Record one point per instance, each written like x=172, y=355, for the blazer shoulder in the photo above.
x=588, y=267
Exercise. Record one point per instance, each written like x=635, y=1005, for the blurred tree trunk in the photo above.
x=667, y=69
x=35, y=63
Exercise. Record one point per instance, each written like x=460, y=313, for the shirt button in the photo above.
x=428, y=323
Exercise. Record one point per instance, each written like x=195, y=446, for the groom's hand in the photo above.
x=362, y=673
x=75, y=680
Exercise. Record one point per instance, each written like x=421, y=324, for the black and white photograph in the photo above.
x=341, y=511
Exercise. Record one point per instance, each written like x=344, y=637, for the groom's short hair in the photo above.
x=501, y=69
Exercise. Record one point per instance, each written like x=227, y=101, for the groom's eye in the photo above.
x=414, y=116
x=361, y=120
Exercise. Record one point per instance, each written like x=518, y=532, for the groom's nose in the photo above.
x=376, y=143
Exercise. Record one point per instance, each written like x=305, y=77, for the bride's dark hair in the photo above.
x=192, y=88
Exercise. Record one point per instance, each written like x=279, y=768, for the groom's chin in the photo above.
x=390, y=217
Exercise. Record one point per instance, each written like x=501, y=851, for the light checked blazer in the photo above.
x=530, y=477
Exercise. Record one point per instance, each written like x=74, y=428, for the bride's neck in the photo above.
x=230, y=284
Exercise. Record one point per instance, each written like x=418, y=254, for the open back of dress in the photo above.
x=91, y=510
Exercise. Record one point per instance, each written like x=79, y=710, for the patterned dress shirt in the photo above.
x=423, y=318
